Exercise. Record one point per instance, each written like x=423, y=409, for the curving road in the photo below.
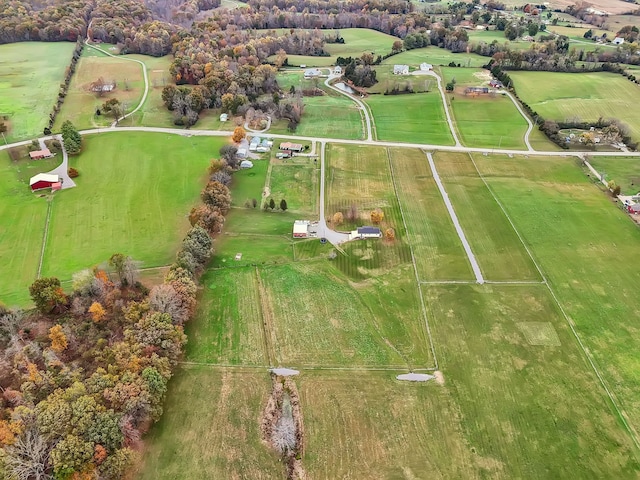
x=446, y=107
x=360, y=103
x=526, y=117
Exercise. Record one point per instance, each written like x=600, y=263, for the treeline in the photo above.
x=64, y=21
x=180, y=12
x=84, y=375
x=64, y=87
x=335, y=6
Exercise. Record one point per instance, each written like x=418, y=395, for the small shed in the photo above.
x=44, y=153
x=224, y=117
x=242, y=152
x=618, y=41
x=42, y=181
x=337, y=70
x=255, y=142
x=300, y=228
x=246, y=164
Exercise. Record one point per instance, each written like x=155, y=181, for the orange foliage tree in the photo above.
x=238, y=134
x=390, y=234
x=58, y=339
x=338, y=218
x=97, y=312
x=377, y=216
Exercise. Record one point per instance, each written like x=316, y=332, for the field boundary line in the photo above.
x=413, y=260
x=267, y=186
x=365, y=368
x=45, y=235
x=612, y=397
x=454, y=218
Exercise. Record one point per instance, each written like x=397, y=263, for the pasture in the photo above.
x=435, y=56
x=356, y=42
x=624, y=171
x=512, y=367
x=30, y=77
x=138, y=206
x=485, y=120
x=416, y=118
x=582, y=97
x=81, y=103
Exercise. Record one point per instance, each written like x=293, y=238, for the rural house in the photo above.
x=312, y=73
x=618, y=41
x=401, y=69
x=425, y=67
x=496, y=83
x=255, y=142
x=365, y=232
x=301, y=229
x=44, y=180
x=44, y=153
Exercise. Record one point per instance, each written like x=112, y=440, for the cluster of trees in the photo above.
x=71, y=138
x=64, y=86
x=359, y=71
x=180, y=12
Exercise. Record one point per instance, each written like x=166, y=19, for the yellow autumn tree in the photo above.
x=338, y=218
x=390, y=234
x=377, y=216
x=58, y=339
x=97, y=312
x=238, y=134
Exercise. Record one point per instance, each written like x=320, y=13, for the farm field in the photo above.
x=218, y=433
x=493, y=241
x=22, y=220
x=513, y=370
x=436, y=246
x=624, y=171
x=346, y=119
x=585, y=96
x=138, y=208
x=435, y=56
x=356, y=42
x=594, y=280
x=30, y=77
x=81, y=103
x=416, y=118
x=485, y=120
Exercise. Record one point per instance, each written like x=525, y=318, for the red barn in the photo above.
x=42, y=181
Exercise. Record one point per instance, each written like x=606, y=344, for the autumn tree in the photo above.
x=353, y=214
x=58, y=339
x=208, y=217
x=47, y=294
x=377, y=216
x=97, y=312
x=338, y=218
x=238, y=134
x=390, y=234
x=124, y=267
x=216, y=195
x=113, y=107
x=165, y=299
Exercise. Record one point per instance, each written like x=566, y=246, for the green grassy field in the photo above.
x=624, y=171
x=292, y=182
x=418, y=118
x=356, y=42
x=30, y=77
x=22, y=221
x=136, y=204
x=584, y=96
x=438, y=252
x=493, y=241
x=594, y=280
x=486, y=120
x=219, y=430
x=435, y=56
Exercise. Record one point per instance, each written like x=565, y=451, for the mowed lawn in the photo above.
x=30, y=77
x=580, y=96
x=22, y=221
x=413, y=118
x=624, y=171
x=134, y=194
x=81, y=103
x=435, y=56
x=493, y=240
x=585, y=246
x=216, y=434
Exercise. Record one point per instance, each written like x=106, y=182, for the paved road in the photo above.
x=526, y=117
x=446, y=107
x=454, y=218
x=62, y=170
x=360, y=103
x=335, y=238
